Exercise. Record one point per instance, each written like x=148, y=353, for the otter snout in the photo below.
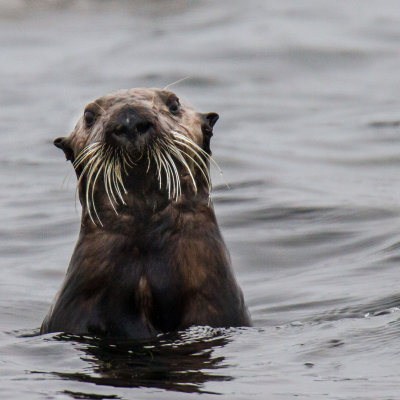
x=129, y=124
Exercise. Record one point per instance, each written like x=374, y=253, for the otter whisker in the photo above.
x=98, y=105
x=170, y=164
x=148, y=161
x=185, y=164
x=138, y=159
x=176, y=181
x=118, y=181
x=203, y=169
x=118, y=164
x=106, y=174
x=155, y=152
x=181, y=159
x=117, y=178
x=127, y=156
x=93, y=188
x=92, y=170
x=197, y=147
x=112, y=163
x=176, y=82
x=86, y=167
x=165, y=164
x=86, y=152
x=87, y=156
x=65, y=181
x=124, y=161
x=113, y=177
x=86, y=149
x=204, y=166
x=170, y=177
x=107, y=184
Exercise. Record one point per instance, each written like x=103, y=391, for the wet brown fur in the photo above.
x=160, y=264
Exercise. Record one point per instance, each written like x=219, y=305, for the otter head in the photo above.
x=138, y=144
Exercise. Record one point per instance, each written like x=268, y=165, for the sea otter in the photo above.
x=150, y=257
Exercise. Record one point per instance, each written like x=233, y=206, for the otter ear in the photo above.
x=62, y=143
x=209, y=121
x=212, y=118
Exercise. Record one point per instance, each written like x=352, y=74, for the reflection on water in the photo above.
x=180, y=362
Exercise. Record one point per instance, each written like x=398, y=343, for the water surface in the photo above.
x=309, y=142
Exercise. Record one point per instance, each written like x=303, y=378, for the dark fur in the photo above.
x=158, y=266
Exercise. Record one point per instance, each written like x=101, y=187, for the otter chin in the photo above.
x=150, y=257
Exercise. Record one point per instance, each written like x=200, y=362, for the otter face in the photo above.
x=131, y=134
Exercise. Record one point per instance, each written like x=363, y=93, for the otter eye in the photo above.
x=173, y=104
x=89, y=118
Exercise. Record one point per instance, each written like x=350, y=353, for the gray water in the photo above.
x=309, y=142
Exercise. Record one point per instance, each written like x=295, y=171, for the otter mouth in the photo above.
x=171, y=157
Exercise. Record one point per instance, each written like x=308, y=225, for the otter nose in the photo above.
x=131, y=122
